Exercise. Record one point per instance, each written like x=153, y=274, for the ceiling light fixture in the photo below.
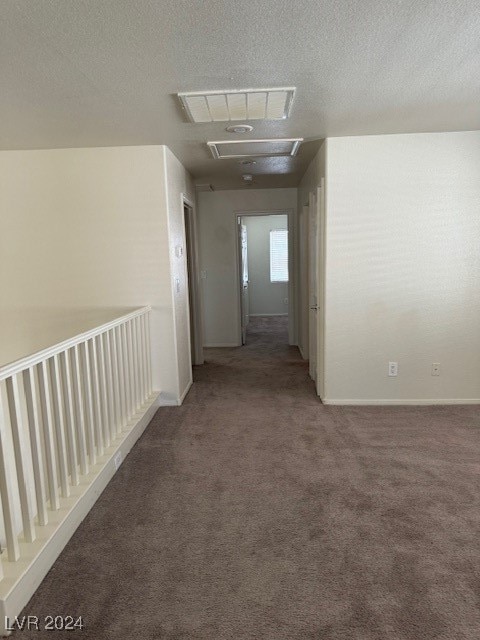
x=247, y=163
x=225, y=149
x=238, y=104
x=239, y=128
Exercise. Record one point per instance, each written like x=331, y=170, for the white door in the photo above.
x=312, y=286
x=320, y=284
x=316, y=261
x=244, y=301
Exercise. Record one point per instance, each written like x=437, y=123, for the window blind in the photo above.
x=279, y=255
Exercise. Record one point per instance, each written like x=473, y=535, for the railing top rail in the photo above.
x=20, y=365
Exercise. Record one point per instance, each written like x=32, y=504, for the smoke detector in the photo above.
x=247, y=177
x=239, y=128
x=242, y=104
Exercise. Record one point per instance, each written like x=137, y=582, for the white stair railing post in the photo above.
x=63, y=470
x=36, y=428
x=7, y=479
x=18, y=422
x=90, y=413
x=48, y=433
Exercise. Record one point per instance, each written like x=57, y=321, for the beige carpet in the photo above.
x=253, y=512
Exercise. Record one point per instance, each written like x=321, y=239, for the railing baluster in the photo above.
x=79, y=409
x=136, y=370
x=143, y=377
x=48, y=432
x=35, y=424
x=131, y=373
x=126, y=365
x=121, y=377
x=18, y=421
x=149, y=353
x=70, y=423
x=109, y=379
x=116, y=382
x=60, y=426
x=103, y=391
x=7, y=479
x=97, y=398
x=88, y=388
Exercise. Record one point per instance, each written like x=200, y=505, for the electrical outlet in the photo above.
x=285, y=301
x=393, y=369
x=435, y=368
x=117, y=460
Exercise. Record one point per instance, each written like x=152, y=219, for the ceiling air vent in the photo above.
x=255, y=148
x=242, y=104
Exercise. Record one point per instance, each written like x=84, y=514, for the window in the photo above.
x=279, y=255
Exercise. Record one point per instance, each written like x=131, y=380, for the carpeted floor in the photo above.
x=253, y=512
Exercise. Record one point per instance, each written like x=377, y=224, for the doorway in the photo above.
x=264, y=271
x=196, y=343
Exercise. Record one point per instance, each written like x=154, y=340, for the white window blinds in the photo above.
x=279, y=255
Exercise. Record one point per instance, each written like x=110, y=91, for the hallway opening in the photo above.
x=264, y=270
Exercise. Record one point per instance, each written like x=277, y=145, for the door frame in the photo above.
x=292, y=289
x=192, y=248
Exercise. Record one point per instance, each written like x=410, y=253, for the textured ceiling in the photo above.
x=104, y=72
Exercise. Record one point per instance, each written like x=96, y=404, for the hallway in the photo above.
x=253, y=512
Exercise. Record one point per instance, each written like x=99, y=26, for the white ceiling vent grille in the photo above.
x=255, y=148
x=242, y=104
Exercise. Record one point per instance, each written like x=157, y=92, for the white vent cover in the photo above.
x=242, y=104
x=255, y=148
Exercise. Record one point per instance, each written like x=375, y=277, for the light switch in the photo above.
x=177, y=285
x=179, y=251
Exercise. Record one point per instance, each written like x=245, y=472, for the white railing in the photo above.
x=62, y=411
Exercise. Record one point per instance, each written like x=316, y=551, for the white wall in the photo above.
x=179, y=185
x=308, y=184
x=265, y=297
x=403, y=267
x=217, y=212
x=91, y=228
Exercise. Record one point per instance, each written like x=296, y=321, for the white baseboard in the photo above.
x=184, y=394
x=406, y=402
x=267, y=315
x=221, y=345
x=22, y=578
x=301, y=352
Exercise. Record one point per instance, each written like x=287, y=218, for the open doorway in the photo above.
x=265, y=273
x=196, y=344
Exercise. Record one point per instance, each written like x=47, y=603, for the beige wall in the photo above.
x=217, y=242
x=403, y=267
x=91, y=228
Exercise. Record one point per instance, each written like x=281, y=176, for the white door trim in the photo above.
x=292, y=254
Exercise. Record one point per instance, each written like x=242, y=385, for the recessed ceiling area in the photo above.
x=238, y=104
x=274, y=147
x=108, y=73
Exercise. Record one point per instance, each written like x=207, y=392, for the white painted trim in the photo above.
x=195, y=284
x=29, y=361
x=292, y=267
x=301, y=352
x=221, y=345
x=184, y=394
x=267, y=315
x=23, y=577
x=409, y=401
